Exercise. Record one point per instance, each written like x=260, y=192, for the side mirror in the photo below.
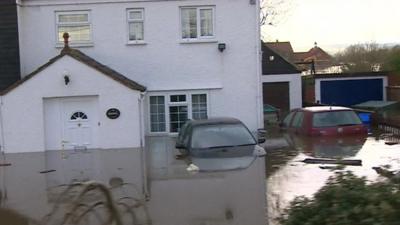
x=261, y=140
x=261, y=133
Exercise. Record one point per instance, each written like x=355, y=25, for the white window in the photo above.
x=199, y=106
x=76, y=24
x=197, y=22
x=168, y=113
x=157, y=114
x=178, y=112
x=135, y=19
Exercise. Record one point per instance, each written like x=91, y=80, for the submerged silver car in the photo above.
x=217, y=137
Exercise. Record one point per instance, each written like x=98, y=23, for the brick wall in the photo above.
x=308, y=85
x=394, y=79
x=9, y=47
x=393, y=93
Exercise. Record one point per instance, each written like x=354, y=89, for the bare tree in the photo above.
x=369, y=57
x=274, y=11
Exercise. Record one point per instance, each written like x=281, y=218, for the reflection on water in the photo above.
x=118, y=187
x=327, y=147
x=290, y=177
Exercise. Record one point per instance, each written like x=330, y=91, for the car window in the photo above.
x=298, y=119
x=221, y=135
x=335, y=118
x=288, y=118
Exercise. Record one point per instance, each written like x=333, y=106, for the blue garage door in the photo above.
x=350, y=92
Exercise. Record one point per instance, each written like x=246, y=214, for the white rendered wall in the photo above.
x=164, y=62
x=295, y=92
x=318, y=84
x=23, y=113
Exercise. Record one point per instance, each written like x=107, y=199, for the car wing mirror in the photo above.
x=261, y=133
x=261, y=140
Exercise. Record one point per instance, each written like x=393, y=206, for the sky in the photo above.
x=335, y=24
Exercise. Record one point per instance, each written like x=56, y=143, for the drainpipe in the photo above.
x=259, y=99
x=142, y=146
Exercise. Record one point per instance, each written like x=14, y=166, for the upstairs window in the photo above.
x=135, y=24
x=76, y=24
x=197, y=22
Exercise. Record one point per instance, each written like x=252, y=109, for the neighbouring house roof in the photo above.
x=321, y=59
x=316, y=53
x=83, y=58
x=274, y=63
x=283, y=48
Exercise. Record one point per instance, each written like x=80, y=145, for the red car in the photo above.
x=324, y=121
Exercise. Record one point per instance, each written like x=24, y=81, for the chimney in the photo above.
x=66, y=43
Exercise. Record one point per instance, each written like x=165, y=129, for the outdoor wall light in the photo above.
x=66, y=77
x=221, y=47
x=66, y=80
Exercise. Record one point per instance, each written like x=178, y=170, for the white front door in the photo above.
x=79, y=123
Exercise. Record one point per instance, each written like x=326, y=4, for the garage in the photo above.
x=350, y=89
x=276, y=94
x=71, y=102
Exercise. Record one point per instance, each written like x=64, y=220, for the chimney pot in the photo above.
x=66, y=37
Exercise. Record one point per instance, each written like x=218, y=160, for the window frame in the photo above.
x=198, y=24
x=128, y=21
x=72, y=24
x=168, y=103
x=165, y=114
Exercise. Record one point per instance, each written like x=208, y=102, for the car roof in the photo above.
x=326, y=108
x=215, y=120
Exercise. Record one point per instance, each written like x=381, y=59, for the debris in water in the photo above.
x=47, y=171
x=384, y=172
x=192, y=168
x=351, y=162
x=391, y=142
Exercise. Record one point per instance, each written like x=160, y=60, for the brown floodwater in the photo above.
x=119, y=187
x=288, y=176
x=151, y=186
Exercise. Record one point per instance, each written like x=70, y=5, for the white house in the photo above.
x=132, y=68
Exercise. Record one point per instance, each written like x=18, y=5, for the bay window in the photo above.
x=169, y=112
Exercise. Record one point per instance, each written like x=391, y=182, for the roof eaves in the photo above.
x=81, y=57
x=286, y=60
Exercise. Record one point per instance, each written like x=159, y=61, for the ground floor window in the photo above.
x=177, y=117
x=157, y=114
x=169, y=112
x=199, y=106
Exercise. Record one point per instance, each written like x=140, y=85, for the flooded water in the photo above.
x=120, y=187
x=288, y=176
x=152, y=186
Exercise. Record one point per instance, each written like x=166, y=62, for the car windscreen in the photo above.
x=335, y=118
x=218, y=135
